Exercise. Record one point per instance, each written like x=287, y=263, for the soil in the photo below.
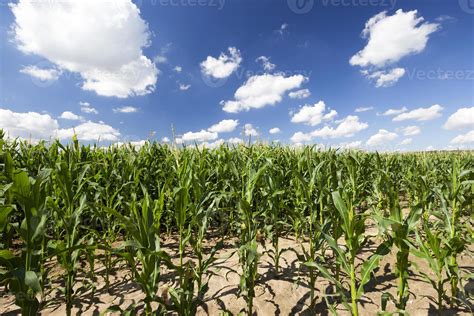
x=284, y=294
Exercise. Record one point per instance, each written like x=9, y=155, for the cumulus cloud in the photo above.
x=299, y=94
x=313, y=114
x=266, y=64
x=235, y=140
x=178, y=69
x=464, y=138
x=406, y=141
x=27, y=124
x=411, y=130
x=350, y=145
x=68, y=115
x=420, y=114
x=385, y=78
x=382, y=137
x=223, y=66
x=43, y=74
x=262, y=90
x=300, y=137
x=87, y=108
x=392, y=37
x=200, y=136
x=224, y=126
x=125, y=109
x=364, y=109
x=464, y=117
x=90, y=131
x=348, y=127
x=111, y=62
x=391, y=112
x=274, y=130
x=165, y=140
x=249, y=130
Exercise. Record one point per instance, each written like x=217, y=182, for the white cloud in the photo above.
x=348, y=127
x=350, y=145
x=178, y=69
x=274, y=130
x=392, y=37
x=266, y=64
x=165, y=140
x=382, y=137
x=68, y=115
x=364, y=109
x=464, y=117
x=28, y=124
x=235, y=140
x=313, y=114
x=223, y=66
x=411, y=130
x=184, y=87
x=420, y=114
x=125, y=109
x=300, y=137
x=136, y=144
x=385, y=78
x=224, y=126
x=391, y=112
x=262, y=90
x=90, y=131
x=406, y=141
x=44, y=74
x=110, y=62
x=283, y=28
x=299, y=94
x=200, y=136
x=212, y=145
x=86, y=108
x=249, y=130
x=464, y=138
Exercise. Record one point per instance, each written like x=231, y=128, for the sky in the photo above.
x=369, y=74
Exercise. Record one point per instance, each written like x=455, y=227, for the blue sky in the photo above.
x=57, y=55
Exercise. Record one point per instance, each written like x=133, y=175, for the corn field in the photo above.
x=71, y=214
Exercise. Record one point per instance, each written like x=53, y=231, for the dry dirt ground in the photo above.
x=275, y=295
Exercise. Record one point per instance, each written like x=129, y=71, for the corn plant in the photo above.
x=142, y=248
x=22, y=272
x=248, y=248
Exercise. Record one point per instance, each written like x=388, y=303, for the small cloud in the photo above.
x=68, y=115
x=299, y=94
x=364, y=109
x=266, y=64
x=274, y=130
x=184, y=87
x=87, y=108
x=178, y=69
x=125, y=109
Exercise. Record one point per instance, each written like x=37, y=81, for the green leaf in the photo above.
x=31, y=280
